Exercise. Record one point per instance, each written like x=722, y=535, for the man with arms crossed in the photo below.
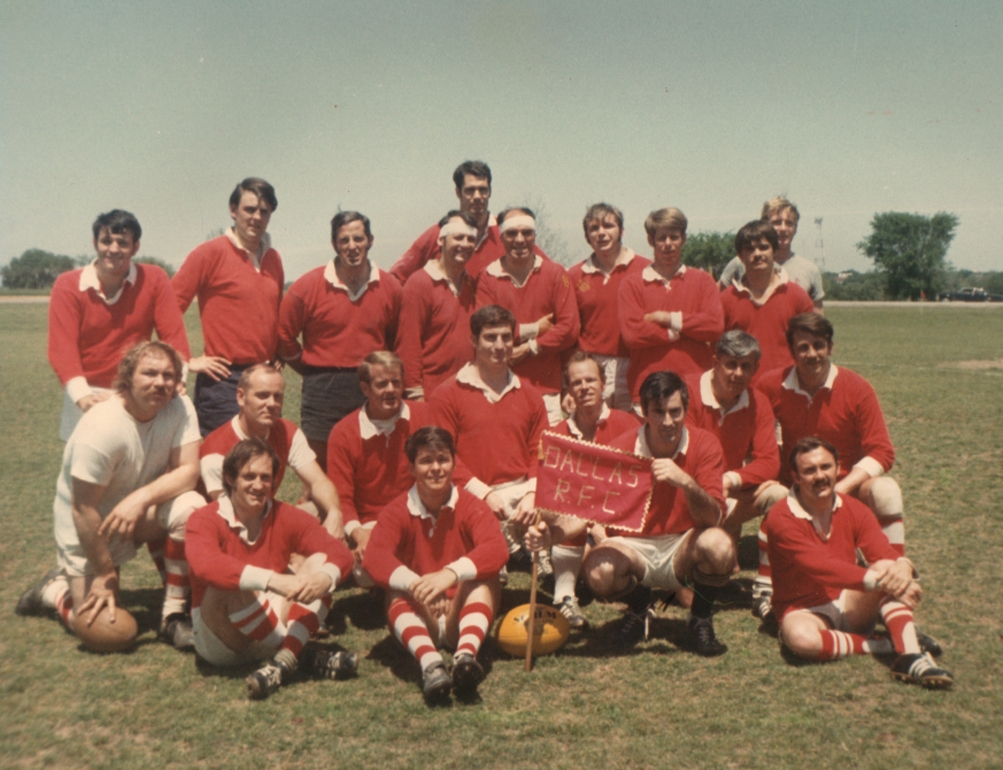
x=246, y=605
x=817, y=398
x=128, y=472
x=438, y=550
x=238, y=280
x=681, y=540
x=826, y=602
x=433, y=336
x=596, y=282
x=783, y=216
x=98, y=312
x=538, y=293
x=669, y=313
x=260, y=393
x=344, y=311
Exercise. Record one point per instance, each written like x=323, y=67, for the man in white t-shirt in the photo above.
x=128, y=474
x=783, y=216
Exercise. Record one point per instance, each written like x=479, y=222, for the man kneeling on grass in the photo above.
x=826, y=602
x=246, y=605
x=438, y=550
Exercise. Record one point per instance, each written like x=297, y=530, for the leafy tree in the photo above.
x=868, y=286
x=35, y=269
x=169, y=269
x=710, y=251
x=911, y=250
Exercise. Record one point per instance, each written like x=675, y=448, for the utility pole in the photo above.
x=821, y=246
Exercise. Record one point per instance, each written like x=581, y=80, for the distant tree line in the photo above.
x=38, y=269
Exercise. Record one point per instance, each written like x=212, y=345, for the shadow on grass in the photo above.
x=364, y=609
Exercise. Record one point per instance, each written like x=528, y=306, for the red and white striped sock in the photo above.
x=475, y=620
x=156, y=549
x=259, y=623
x=178, y=585
x=409, y=628
x=303, y=622
x=898, y=620
x=839, y=644
x=64, y=608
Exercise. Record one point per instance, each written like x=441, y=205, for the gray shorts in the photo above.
x=328, y=395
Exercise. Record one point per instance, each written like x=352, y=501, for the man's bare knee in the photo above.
x=715, y=551
x=800, y=637
x=884, y=496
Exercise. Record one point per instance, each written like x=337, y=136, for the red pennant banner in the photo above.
x=593, y=482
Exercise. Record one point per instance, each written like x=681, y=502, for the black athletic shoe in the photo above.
x=636, y=627
x=928, y=644
x=436, y=683
x=30, y=602
x=177, y=631
x=264, y=681
x=919, y=668
x=467, y=674
x=520, y=561
x=327, y=664
x=704, y=638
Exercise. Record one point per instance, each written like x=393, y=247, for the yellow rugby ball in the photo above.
x=550, y=630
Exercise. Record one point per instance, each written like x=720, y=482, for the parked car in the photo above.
x=969, y=294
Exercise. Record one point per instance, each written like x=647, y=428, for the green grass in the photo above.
x=589, y=706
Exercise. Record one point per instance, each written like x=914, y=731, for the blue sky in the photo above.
x=849, y=109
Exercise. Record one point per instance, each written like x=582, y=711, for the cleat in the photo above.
x=762, y=605
x=436, y=683
x=327, y=664
x=704, y=638
x=928, y=644
x=177, y=631
x=30, y=602
x=919, y=668
x=467, y=674
x=636, y=627
x=569, y=608
x=264, y=681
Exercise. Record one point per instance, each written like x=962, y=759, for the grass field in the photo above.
x=589, y=706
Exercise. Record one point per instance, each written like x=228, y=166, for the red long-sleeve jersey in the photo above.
x=597, y=297
x=433, y=337
x=408, y=542
x=337, y=329
x=809, y=570
x=693, y=295
x=747, y=432
x=219, y=555
x=700, y=456
x=547, y=291
x=766, y=322
x=845, y=412
x=238, y=304
x=87, y=336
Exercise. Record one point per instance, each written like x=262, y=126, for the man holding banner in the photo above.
x=662, y=507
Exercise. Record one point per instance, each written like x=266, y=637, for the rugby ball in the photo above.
x=104, y=636
x=550, y=630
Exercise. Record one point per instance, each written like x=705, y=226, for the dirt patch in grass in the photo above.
x=995, y=363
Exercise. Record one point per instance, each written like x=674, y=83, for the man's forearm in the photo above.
x=88, y=520
x=704, y=509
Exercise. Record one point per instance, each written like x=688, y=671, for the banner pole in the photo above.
x=532, y=607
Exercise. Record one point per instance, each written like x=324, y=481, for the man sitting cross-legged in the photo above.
x=826, y=602
x=128, y=473
x=681, y=540
x=594, y=421
x=247, y=607
x=260, y=394
x=438, y=550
